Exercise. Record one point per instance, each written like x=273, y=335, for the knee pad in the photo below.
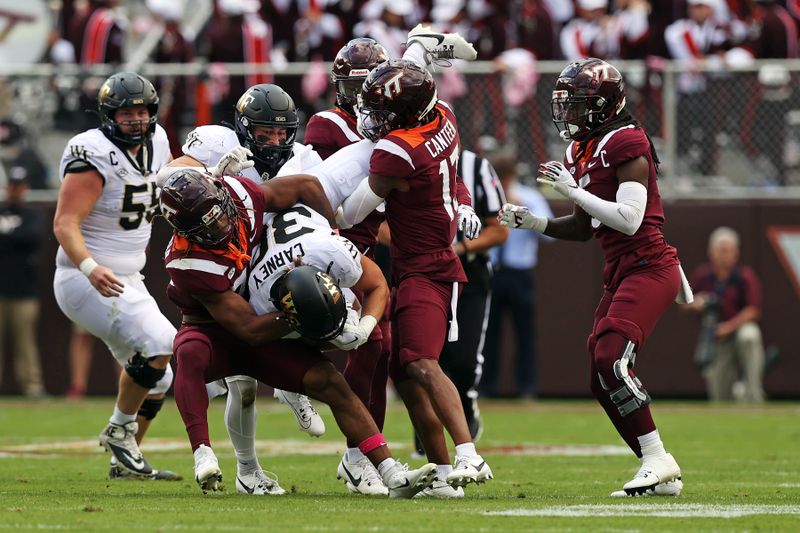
x=150, y=408
x=245, y=388
x=624, y=388
x=142, y=373
x=163, y=384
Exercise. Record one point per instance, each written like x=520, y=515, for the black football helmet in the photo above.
x=350, y=69
x=396, y=94
x=126, y=89
x=266, y=105
x=199, y=208
x=312, y=301
x=588, y=94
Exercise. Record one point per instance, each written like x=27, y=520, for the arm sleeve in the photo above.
x=625, y=215
x=462, y=192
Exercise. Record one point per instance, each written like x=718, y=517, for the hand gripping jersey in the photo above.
x=208, y=144
x=194, y=270
x=117, y=229
x=328, y=131
x=422, y=220
x=299, y=232
x=597, y=173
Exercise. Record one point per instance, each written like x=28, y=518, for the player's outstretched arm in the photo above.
x=236, y=315
x=76, y=199
x=574, y=227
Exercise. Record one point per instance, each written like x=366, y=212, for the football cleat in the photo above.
x=670, y=488
x=259, y=483
x=441, y=490
x=442, y=45
x=117, y=472
x=653, y=472
x=206, y=469
x=121, y=442
x=405, y=483
x=469, y=470
x=361, y=477
x=308, y=419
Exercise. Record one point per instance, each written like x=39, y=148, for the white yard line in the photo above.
x=666, y=510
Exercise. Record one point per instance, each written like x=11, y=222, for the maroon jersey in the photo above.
x=597, y=173
x=422, y=220
x=194, y=270
x=327, y=132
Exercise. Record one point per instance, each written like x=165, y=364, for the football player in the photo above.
x=218, y=223
x=102, y=222
x=609, y=172
x=413, y=169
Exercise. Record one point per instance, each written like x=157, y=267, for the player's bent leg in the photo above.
x=308, y=419
x=193, y=356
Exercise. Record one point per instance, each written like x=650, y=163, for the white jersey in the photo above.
x=299, y=231
x=117, y=229
x=207, y=144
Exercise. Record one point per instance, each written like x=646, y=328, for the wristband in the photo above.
x=87, y=266
x=368, y=323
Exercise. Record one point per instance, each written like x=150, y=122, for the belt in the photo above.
x=193, y=320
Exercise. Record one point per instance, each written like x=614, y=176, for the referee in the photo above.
x=462, y=359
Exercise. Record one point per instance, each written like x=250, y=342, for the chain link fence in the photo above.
x=717, y=132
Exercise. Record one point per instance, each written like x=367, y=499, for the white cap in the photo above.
x=166, y=9
x=592, y=4
x=238, y=7
x=446, y=10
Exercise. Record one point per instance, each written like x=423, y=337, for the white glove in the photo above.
x=554, y=173
x=233, y=163
x=468, y=221
x=354, y=335
x=515, y=216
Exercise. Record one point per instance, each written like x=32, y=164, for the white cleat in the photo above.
x=469, y=470
x=361, y=477
x=405, y=483
x=670, y=488
x=259, y=483
x=441, y=490
x=121, y=442
x=442, y=45
x=206, y=469
x=653, y=472
x=308, y=419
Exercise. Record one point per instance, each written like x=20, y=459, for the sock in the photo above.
x=416, y=53
x=240, y=421
x=385, y=466
x=466, y=450
x=354, y=455
x=119, y=418
x=442, y=471
x=651, y=445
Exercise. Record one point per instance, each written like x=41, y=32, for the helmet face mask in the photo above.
x=268, y=106
x=588, y=94
x=351, y=67
x=199, y=208
x=127, y=91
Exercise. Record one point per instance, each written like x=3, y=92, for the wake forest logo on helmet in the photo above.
x=289, y=309
x=244, y=101
x=330, y=285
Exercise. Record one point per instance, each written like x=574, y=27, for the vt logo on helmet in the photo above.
x=588, y=94
x=127, y=90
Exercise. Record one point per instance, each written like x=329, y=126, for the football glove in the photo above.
x=516, y=216
x=468, y=221
x=354, y=335
x=555, y=174
x=233, y=163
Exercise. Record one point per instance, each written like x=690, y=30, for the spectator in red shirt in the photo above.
x=729, y=296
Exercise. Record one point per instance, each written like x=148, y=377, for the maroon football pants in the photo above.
x=206, y=353
x=628, y=314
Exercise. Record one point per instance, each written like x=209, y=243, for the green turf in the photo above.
x=734, y=460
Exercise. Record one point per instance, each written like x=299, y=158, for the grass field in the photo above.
x=554, y=463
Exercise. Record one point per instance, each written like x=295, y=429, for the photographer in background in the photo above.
x=728, y=296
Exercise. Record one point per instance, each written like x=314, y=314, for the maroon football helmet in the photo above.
x=199, y=208
x=588, y=94
x=350, y=69
x=396, y=94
